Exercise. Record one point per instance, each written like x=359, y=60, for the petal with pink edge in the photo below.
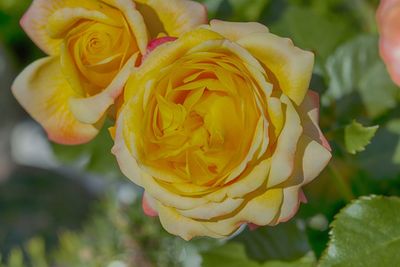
x=34, y=22
x=310, y=119
x=43, y=91
x=149, y=205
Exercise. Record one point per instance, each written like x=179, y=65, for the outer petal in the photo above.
x=282, y=163
x=34, y=22
x=235, y=31
x=91, y=109
x=290, y=66
x=261, y=210
x=311, y=159
x=126, y=162
x=309, y=111
x=184, y=227
x=175, y=16
x=168, y=198
x=149, y=205
x=43, y=91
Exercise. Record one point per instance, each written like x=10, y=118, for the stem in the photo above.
x=340, y=183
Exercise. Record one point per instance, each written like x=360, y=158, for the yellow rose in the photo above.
x=220, y=130
x=93, y=45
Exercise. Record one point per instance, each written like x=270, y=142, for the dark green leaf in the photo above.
x=348, y=65
x=378, y=92
x=299, y=24
x=286, y=241
x=366, y=233
x=233, y=255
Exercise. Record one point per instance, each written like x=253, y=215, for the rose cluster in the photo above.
x=215, y=121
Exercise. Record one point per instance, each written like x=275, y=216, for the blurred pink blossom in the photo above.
x=388, y=17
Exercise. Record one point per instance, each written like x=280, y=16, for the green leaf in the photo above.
x=348, y=65
x=299, y=24
x=37, y=252
x=16, y=259
x=247, y=10
x=378, y=92
x=357, y=137
x=286, y=241
x=394, y=127
x=212, y=6
x=365, y=233
x=234, y=255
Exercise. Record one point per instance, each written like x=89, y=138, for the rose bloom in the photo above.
x=220, y=130
x=93, y=45
x=388, y=17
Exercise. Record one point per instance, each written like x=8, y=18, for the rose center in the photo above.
x=197, y=117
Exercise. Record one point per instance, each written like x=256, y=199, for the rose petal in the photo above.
x=309, y=111
x=43, y=91
x=126, y=162
x=184, y=227
x=290, y=66
x=91, y=109
x=173, y=17
x=235, y=31
x=149, y=205
x=282, y=163
x=34, y=22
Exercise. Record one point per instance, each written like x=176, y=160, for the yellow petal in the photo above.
x=34, y=22
x=182, y=226
x=290, y=66
x=126, y=161
x=173, y=17
x=91, y=109
x=250, y=181
x=236, y=30
x=164, y=56
x=135, y=21
x=169, y=198
x=311, y=159
x=64, y=19
x=283, y=159
x=37, y=19
x=213, y=209
x=261, y=210
x=309, y=111
x=43, y=91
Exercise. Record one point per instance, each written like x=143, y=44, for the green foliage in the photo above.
x=378, y=93
x=286, y=241
x=357, y=137
x=233, y=255
x=366, y=233
x=95, y=156
x=298, y=23
x=347, y=66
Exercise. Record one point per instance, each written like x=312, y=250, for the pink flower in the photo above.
x=388, y=16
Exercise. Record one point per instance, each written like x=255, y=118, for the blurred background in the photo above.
x=70, y=206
